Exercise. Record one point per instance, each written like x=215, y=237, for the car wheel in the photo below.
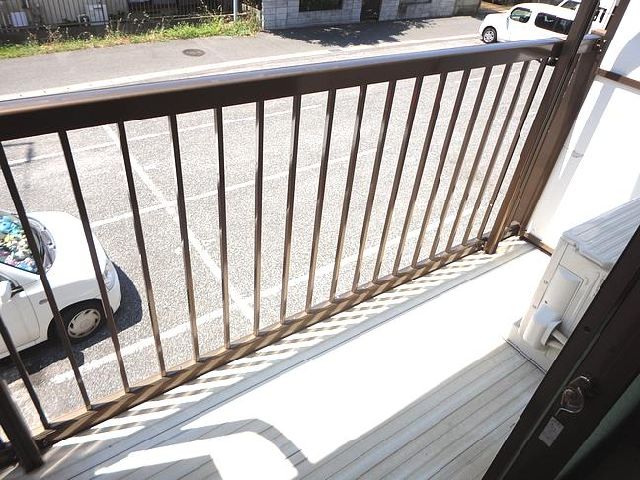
x=489, y=35
x=81, y=320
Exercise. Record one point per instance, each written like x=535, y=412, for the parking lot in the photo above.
x=39, y=169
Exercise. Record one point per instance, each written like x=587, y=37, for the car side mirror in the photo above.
x=5, y=292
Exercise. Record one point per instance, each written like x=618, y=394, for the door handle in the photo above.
x=573, y=395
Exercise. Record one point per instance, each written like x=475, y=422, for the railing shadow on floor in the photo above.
x=479, y=404
x=214, y=388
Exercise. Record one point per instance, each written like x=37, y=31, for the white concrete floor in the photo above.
x=416, y=383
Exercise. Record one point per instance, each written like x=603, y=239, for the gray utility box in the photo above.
x=582, y=260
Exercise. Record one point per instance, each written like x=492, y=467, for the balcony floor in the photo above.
x=417, y=382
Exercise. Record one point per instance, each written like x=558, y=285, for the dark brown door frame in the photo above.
x=605, y=347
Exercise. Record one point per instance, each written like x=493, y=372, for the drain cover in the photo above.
x=193, y=52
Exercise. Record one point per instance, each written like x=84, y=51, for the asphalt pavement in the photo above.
x=40, y=171
x=95, y=68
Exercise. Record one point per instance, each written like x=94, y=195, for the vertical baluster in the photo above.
x=291, y=192
x=443, y=158
x=257, y=254
x=514, y=142
x=184, y=236
x=22, y=370
x=46, y=286
x=322, y=181
x=348, y=189
x=479, y=152
x=382, y=136
x=420, y=171
x=460, y=161
x=415, y=98
x=222, y=225
x=435, y=112
x=496, y=151
x=142, y=249
x=84, y=219
x=18, y=432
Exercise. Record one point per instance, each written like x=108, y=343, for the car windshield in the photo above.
x=14, y=250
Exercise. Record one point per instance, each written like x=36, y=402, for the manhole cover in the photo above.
x=193, y=52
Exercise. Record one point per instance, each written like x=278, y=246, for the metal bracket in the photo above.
x=599, y=45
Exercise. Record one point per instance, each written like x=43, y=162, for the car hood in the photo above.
x=72, y=258
x=495, y=17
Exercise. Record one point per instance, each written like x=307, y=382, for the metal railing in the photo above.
x=452, y=240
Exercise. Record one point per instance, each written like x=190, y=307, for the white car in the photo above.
x=63, y=245
x=602, y=15
x=527, y=21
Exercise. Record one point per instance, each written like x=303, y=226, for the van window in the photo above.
x=563, y=26
x=520, y=15
x=571, y=4
x=598, y=16
x=553, y=23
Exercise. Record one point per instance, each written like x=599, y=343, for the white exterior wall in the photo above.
x=599, y=166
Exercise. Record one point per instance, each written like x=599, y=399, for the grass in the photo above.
x=57, y=43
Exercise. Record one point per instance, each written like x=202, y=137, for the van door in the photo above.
x=519, y=24
x=19, y=317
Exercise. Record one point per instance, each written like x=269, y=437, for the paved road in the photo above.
x=157, y=61
x=41, y=175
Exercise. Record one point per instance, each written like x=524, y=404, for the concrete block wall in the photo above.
x=279, y=14
x=406, y=9
x=466, y=7
x=388, y=10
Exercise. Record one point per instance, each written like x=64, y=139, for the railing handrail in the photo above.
x=59, y=113
x=25, y=117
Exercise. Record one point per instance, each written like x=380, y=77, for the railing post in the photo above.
x=16, y=429
x=558, y=110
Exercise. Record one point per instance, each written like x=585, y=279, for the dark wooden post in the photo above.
x=568, y=87
x=18, y=432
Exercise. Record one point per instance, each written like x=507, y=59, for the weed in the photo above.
x=57, y=41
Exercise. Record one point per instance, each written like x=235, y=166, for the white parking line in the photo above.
x=138, y=346
x=46, y=156
x=237, y=299
x=368, y=252
x=213, y=193
x=96, y=146
x=201, y=126
x=145, y=77
x=184, y=328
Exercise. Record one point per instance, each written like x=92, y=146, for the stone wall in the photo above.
x=466, y=7
x=279, y=14
x=406, y=9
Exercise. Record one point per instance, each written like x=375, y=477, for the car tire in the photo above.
x=489, y=35
x=80, y=320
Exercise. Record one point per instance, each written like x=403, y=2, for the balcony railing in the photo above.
x=471, y=166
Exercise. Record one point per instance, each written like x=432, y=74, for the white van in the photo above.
x=602, y=15
x=527, y=21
